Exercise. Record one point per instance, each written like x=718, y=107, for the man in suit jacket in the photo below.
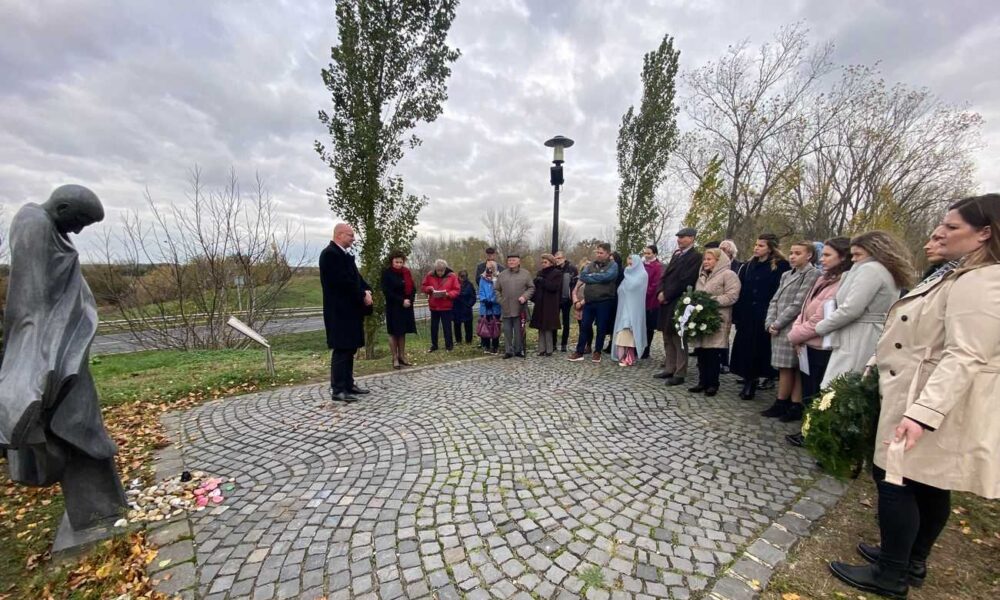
x=347, y=298
x=679, y=274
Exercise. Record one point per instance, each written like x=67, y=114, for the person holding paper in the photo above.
x=442, y=287
x=786, y=304
x=939, y=376
x=836, y=260
x=881, y=268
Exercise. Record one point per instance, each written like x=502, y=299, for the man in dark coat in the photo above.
x=679, y=274
x=347, y=298
x=50, y=414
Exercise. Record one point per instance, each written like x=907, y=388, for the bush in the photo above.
x=840, y=426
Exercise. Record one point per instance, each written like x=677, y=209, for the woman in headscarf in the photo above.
x=400, y=291
x=629, y=338
x=720, y=282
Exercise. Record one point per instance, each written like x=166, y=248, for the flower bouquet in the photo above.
x=840, y=425
x=696, y=315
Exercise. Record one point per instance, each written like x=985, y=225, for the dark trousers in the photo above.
x=818, y=361
x=565, y=308
x=601, y=314
x=441, y=318
x=458, y=331
x=490, y=343
x=652, y=316
x=910, y=519
x=709, y=366
x=342, y=370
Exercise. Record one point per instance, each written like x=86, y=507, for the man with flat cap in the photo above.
x=679, y=274
x=50, y=416
x=347, y=298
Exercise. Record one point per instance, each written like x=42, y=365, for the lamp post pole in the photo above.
x=558, y=144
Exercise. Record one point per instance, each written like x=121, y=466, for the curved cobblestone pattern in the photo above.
x=538, y=478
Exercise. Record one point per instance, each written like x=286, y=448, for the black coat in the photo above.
x=461, y=307
x=399, y=320
x=344, y=307
x=548, y=292
x=678, y=275
x=751, y=354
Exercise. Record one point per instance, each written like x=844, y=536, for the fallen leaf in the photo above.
x=163, y=563
x=790, y=596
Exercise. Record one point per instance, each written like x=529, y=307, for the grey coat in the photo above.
x=786, y=304
x=511, y=285
x=866, y=293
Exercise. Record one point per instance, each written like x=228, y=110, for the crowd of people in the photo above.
x=793, y=322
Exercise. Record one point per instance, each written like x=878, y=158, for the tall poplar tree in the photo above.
x=388, y=73
x=645, y=142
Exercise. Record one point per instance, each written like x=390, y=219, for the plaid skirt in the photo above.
x=783, y=355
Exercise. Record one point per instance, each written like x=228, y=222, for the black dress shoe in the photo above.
x=675, y=381
x=872, y=579
x=794, y=413
x=432, y=349
x=508, y=355
x=697, y=389
x=360, y=390
x=663, y=375
x=795, y=439
x=711, y=391
x=776, y=410
x=916, y=574
x=741, y=381
x=345, y=397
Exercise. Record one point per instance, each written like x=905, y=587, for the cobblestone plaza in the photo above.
x=490, y=478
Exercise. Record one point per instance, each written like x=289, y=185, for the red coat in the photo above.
x=654, y=271
x=448, y=283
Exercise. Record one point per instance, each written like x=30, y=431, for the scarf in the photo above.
x=943, y=270
x=408, y=287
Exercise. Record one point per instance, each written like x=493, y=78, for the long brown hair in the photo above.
x=889, y=252
x=981, y=212
x=773, y=248
x=842, y=246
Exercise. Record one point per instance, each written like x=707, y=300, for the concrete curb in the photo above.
x=753, y=569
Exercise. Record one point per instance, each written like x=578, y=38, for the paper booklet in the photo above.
x=828, y=309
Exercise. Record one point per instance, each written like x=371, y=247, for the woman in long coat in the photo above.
x=784, y=308
x=628, y=339
x=400, y=292
x=759, y=279
x=939, y=375
x=548, y=294
x=881, y=268
x=720, y=282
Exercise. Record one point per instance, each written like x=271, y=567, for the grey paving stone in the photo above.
x=448, y=470
x=729, y=588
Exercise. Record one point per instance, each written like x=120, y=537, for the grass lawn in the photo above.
x=965, y=563
x=135, y=390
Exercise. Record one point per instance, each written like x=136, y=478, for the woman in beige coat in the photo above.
x=939, y=427
x=719, y=281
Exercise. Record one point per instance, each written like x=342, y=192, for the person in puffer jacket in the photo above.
x=489, y=305
x=442, y=287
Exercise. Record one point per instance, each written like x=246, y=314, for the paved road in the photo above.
x=526, y=479
x=118, y=343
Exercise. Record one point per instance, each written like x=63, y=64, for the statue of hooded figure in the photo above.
x=50, y=416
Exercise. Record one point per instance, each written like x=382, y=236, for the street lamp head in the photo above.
x=557, y=144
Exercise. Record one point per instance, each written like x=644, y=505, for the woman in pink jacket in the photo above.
x=836, y=260
x=654, y=272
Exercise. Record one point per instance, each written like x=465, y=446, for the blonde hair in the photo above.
x=716, y=252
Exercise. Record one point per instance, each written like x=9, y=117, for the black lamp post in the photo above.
x=557, y=144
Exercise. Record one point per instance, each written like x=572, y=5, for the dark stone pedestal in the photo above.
x=70, y=542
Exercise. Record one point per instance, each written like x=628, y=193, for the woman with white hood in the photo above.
x=629, y=338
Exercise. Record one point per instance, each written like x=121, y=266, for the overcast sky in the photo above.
x=121, y=95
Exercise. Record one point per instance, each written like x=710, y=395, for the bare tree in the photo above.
x=758, y=112
x=508, y=229
x=222, y=252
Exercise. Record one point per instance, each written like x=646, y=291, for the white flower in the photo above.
x=699, y=308
x=825, y=401
x=692, y=325
x=805, y=426
x=703, y=327
x=687, y=300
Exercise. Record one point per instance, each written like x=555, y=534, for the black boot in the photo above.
x=777, y=409
x=792, y=414
x=749, y=389
x=916, y=573
x=876, y=579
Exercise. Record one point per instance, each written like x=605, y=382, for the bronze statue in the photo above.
x=50, y=415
